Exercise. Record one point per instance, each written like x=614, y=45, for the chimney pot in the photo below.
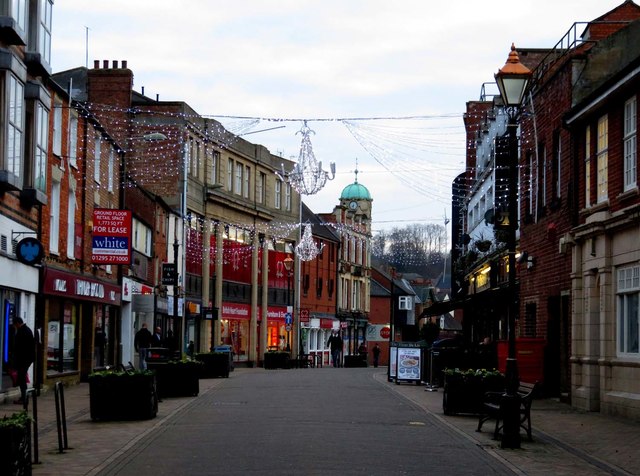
x=96, y=64
x=115, y=64
x=105, y=64
x=124, y=64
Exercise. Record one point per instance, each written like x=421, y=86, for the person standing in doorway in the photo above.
x=376, y=354
x=157, y=337
x=142, y=342
x=335, y=344
x=23, y=355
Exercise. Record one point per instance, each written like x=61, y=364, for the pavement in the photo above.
x=565, y=441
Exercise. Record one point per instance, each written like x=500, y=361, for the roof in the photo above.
x=355, y=191
x=321, y=230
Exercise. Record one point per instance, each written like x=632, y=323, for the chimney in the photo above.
x=96, y=64
x=115, y=64
x=124, y=64
x=105, y=64
x=142, y=90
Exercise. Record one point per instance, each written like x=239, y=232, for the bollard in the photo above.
x=61, y=418
x=33, y=429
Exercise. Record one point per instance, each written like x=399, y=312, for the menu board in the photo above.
x=408, y=363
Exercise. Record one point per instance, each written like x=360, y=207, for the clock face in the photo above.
x=353, y=205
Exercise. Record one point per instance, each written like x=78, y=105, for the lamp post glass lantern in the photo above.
x=512, y=79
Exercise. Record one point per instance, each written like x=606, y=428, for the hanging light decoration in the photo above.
x=306, y=249
x=307, y=177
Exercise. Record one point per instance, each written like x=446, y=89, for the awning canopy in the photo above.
x=439, y=308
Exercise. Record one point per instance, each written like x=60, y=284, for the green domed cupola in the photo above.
x=355, y=191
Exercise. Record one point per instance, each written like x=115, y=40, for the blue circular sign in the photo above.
x=29, y=251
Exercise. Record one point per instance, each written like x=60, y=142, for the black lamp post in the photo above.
x=288, y=265
x=512, y=81
x=176, y=281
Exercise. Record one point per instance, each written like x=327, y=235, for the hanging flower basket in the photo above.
x=483, y=246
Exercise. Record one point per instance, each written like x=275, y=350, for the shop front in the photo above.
x=315, y=335
x=82, y=328
x=278, y=333
x=234, y=329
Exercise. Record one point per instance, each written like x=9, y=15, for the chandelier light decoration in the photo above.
x=307, y=177
x=306, y=249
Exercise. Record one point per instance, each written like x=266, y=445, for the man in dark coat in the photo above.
x=24, y=353
x=142, y=342
x=335, y=344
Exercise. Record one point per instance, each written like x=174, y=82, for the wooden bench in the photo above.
x=491, y=408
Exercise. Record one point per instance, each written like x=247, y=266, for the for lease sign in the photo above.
x=111, y=236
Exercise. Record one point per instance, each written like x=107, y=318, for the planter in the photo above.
x=123, y=395
x=464, y=391
x=177, y=379
x=276, y=360
x=15, y=441
x=214, y=364
x=355, y=361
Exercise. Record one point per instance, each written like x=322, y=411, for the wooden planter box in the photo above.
x=15, y=455
x=464, y=393
x=123, y=396
x=177, y=379
x=355, y=361
x=214, y=364
x=276, y=360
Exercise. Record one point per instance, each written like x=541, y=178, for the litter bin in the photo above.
x=225, y=349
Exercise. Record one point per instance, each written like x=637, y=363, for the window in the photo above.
x=628, y=303
x=278, y=194
x=71, y=225
x=542, y=179
x=287, y=197
x=18, y=10
x=238, y=187
x=230, y=175
x=44, y=30
x=57, y=128
x=587, y=167
x=405, y=303
x=110, y=172
x=42, y=134
x=247, y=181
x=556, y=164
x=260, y=185
x=96, y=158
x=141, y=237
x=630, y=144
x=15, y=126
x=54, y=217
x=73, y=138
x=602, y=154
x=215, y=160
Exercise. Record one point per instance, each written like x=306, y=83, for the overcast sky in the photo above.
x=329, y=59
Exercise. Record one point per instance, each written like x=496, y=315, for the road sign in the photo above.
x=288, y=327
x=288, y=319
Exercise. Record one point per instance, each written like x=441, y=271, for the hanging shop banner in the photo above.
x=111, y=241
x=378, y=332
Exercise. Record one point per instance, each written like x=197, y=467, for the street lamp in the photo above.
x=512, y=80
x=288, y=265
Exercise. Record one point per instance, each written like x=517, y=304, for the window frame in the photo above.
x=14, y=152
x=588, y=161
x=628, y=296
x=41, y=144
x=630, y=144
x=54, y=218
x=602, y=159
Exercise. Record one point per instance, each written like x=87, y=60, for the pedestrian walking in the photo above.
x=22, y=356
x=335, y=344
x=376, y=355
x=142, y=342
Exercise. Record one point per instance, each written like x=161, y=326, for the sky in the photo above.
x=382, y=84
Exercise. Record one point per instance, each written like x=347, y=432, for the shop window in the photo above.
x=62, y=342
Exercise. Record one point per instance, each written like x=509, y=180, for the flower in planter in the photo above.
x=18, y=420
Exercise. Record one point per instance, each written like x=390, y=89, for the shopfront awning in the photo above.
x=439, y=308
